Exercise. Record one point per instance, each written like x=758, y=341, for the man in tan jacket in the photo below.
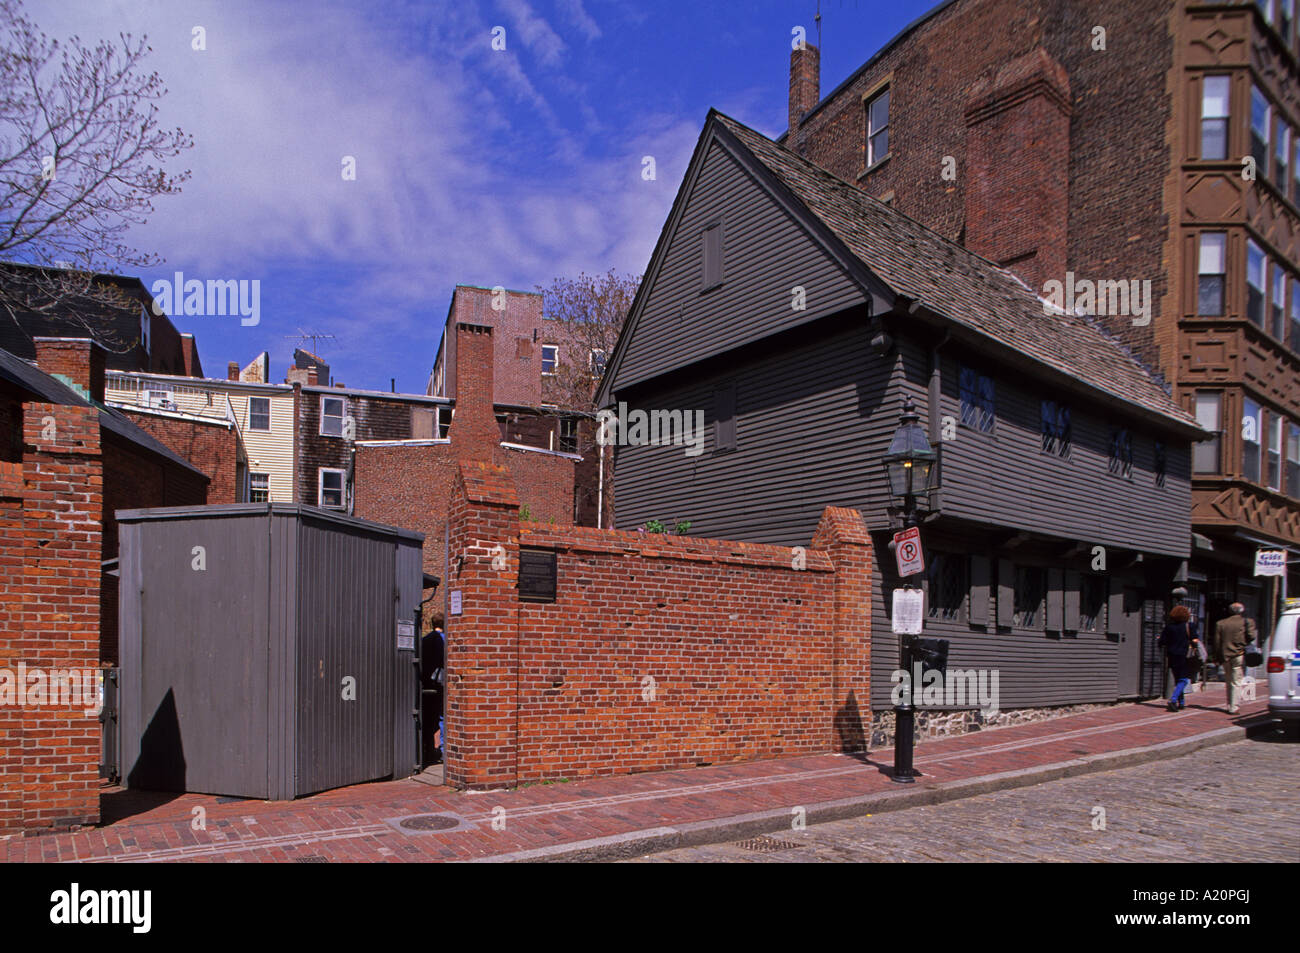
x=1231, y=636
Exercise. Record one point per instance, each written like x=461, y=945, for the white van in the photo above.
x=1284, y=665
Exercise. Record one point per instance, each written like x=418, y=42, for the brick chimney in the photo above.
x=232, y=371
x=474, y=432
x=1017, y=167
x=79, y=361
x=805, y=82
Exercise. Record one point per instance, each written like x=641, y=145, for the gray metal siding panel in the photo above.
x=201, y=680
x=406, y=686
x=765, y=255
x=282, y=689
x=346, y=629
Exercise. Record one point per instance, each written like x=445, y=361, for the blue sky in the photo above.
x=473, y=165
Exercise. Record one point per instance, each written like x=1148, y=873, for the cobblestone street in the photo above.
x=1235, y=802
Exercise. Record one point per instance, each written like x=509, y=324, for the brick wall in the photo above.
x=51, y=504
x=659, y=652
x=1118, y=152
x=78, y=360
x=211, y=447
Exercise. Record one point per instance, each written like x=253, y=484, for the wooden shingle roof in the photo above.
x=958, y=284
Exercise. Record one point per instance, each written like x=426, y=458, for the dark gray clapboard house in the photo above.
x=1058, y=440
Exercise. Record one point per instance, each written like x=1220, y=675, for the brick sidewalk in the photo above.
x=619, y=816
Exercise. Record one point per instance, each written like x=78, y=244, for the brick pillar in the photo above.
x=79, y=361
x=482, y=710
x=805, y=82
x=50, y=550
x=474, y=433
x=1018, y=172
x=843, y=536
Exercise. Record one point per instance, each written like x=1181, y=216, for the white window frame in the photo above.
x=320, y=488
x=873, y=131
x=342, y=416
x=1206, y=116
x=1257, y=443
x=159, y=398
x=1208, y=407
x=1253, y=253
x=555, y=361
x=1206, y=248
x=1274, y=450
x=267, y=428
x=604, y=360
x=251, y=488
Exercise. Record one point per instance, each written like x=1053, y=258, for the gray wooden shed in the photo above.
x=267, y=650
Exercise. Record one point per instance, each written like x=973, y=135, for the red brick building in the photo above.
x=408, y=482
x=67, y=464
x=1151, y=146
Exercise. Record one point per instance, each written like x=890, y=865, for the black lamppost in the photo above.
x=910, y=468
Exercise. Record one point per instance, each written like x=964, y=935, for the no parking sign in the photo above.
x=907, y=550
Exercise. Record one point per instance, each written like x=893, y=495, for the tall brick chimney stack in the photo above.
x=1017, y=167
x=80, y=361
x=805, y=82
x=232, y=371
x=474, y=432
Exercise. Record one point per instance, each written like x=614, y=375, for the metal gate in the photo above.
x=1152, y=678
x=109, y=763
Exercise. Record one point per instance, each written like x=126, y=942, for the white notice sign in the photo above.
x=909, y=606
x=455, y=601
x=1270, y=562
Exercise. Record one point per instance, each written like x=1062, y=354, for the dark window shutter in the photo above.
x=1055, y=600
x=1006, y=592
x=712, y=255
x=979, y=590
x=724, y=409
x=1114, y=608
x=1071, y=601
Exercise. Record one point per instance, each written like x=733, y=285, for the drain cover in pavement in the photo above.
x=429, y=822
x=766, y=845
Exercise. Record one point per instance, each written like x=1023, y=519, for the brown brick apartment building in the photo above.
x=1114, y=142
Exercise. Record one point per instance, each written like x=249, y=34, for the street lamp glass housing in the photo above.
x=909, y=464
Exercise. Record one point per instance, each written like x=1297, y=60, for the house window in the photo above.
x=1276, y=428
x=1031, y=586
x=1214, y=117
x=1284, y=18
x=1092, y=603
x=1256, y=270
x=145, y=324
x=1278, y=303
x=878, y=127
x=1055, y=427
x=1160, y=463
x=711, y=253
x=330, y=486
x=1252, y=424
x=1295, y=159
x=259, y=487
x=444, y=422
x=1295, y=315
x=1259, y=119
x=550, y=358
x=598, y=359
x=1209, y=410
x=976, y=400
x=1281, y=154
x=259, y=413
x=1213, y=273
x=569, y=434
x=946, y=574
x=724, y=410
x=1121, y=452
x=160, y=399
x=332, y=411
x=1293, y=460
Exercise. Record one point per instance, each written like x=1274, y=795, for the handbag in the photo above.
x=1253, y=657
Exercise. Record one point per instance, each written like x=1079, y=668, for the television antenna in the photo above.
x=312, y=336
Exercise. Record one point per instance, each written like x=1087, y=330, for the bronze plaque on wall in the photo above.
x=537, y=572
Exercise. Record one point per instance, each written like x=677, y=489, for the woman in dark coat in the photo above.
x=1178, y=638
